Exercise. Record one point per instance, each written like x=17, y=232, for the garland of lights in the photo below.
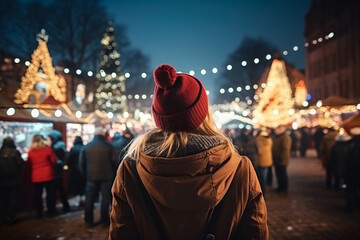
x=214, y=70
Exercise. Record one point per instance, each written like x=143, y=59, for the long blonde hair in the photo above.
x=174, y=141
x=37, y=142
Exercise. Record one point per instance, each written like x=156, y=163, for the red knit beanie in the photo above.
x=180, y=102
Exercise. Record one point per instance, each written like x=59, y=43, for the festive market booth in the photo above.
x=327, y=113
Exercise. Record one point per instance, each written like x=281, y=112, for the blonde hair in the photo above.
x=37, y=142
x=174, y=141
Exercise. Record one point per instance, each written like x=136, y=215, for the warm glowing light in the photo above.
x=263, y=85
x=291, y=111
x=137, y=96
x=78, y=114
x=276, y=111
x=207, y=92
x=305, y=104
x=319, y=103
x=143, y=96
x=203, y=71
x=110, y=115
x=58, y=113
x=10, y=111
x=247, y=87
x=35, y=113
x=230, y=90
x=312, y=111
x=56, y=83
x=126, y=114
x=113, y=75
x=255, y=86
x=331, y=35
x=238, y=89
x=237, y=99
x=192, y=72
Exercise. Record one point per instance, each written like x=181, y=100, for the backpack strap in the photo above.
x=209, y=231
x=149, y=203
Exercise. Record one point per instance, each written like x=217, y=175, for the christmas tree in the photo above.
x=110, y=93
x=40, y=80
x=275, y=106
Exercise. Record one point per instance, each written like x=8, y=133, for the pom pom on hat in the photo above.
x=164, y=76
x=180, y=101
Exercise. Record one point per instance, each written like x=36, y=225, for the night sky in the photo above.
x=200, y=34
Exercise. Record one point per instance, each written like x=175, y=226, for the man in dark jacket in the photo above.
x=98, y=164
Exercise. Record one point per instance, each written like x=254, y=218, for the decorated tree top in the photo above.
x=110, y=62
x=275, y=105
x=40, y=77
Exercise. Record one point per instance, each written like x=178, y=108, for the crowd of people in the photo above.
x=338, y=152
x=45, y=167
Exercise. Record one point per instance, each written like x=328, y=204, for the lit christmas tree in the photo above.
x=110, y=93
x=40, y=80
x=275, y=106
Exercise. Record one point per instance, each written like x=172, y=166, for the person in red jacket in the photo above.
x=42, y=162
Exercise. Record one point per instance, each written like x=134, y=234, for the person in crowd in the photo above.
x=317, y=137
x=295, y=139
x=42, y=161
x=98, y=165
x=59, y=148
x=281, y=157
x=76, y=179
x=185, y=177
x=304, y=141
x=265, y=159
x=121, y=142
x=352, y=178
x=338, y=159
x=246, y=145
x=11, y=165
x=325, y=147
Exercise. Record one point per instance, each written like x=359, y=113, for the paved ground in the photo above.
x=308, y=211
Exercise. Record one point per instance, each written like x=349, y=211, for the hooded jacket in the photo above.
x=184, y=190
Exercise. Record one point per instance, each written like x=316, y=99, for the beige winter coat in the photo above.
x=264, y=144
